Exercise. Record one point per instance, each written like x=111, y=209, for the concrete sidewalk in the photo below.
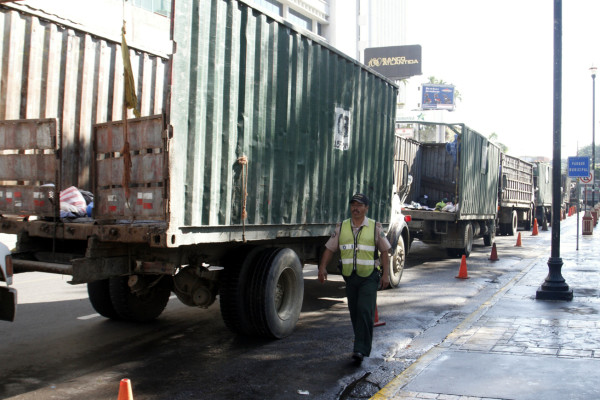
x=517, y=347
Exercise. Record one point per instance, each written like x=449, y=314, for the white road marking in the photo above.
x=88, y=316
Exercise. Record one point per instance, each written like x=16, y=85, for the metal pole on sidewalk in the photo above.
x=578, y=195
x=593, y=70
x=554, y=286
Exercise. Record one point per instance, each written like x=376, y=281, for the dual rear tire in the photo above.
x=262, y=292
x=112, y=298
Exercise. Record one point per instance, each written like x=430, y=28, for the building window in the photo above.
x=272, y=6
x=298, y=19
x=162, y=7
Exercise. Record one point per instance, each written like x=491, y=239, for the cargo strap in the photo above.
x=243, y=160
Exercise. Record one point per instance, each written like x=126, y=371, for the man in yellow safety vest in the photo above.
x=359, y=240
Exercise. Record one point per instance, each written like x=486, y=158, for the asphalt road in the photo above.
x=59, y=348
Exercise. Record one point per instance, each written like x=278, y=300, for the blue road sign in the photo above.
x=578, y=167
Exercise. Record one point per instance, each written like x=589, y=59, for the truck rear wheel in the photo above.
x=514, y=224
x=276, y=293
x=490, y=235
x=99, y=296
x=234, y=285
x=397, y=264
x=146, y=304
x=468, y=240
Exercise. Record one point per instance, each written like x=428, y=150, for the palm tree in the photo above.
x=493, y=137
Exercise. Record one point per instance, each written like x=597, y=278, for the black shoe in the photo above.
x=357, y=357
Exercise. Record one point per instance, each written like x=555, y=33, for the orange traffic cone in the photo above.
x=377, y=321
x=125, y=390
x=535, y=228
x=462, y=272
x=518, y=240
x=494, y=255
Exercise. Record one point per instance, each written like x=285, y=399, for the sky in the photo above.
x=500, y=57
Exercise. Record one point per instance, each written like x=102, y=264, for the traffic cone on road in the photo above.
x=535, y=228
x=518, y=240
x=494, y=255
x=125, y=392
x=462, y=272
x=377, y=322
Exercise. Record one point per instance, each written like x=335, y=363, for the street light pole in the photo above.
x=554, y=286
x=593, y=71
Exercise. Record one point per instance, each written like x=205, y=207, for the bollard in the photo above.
x=588, y=220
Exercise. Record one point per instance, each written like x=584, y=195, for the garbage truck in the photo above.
x=251, y=137
x=453, y=192
x=515, y=195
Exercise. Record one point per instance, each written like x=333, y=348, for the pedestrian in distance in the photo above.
x=359, y=240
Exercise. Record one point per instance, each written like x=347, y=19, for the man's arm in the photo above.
x=385, y=263
x=327, y=255
x=384, y=258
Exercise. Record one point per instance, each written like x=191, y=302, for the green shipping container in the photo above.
x=314, y=126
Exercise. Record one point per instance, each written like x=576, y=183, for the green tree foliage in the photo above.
x=493, y=137
x=587, y=151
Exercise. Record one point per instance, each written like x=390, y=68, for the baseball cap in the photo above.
x=360, y=198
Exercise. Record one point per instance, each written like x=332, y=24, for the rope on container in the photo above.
x=243, y=160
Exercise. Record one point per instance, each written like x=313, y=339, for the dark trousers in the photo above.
x=362, y=300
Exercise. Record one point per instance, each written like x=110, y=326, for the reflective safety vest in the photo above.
x=358, y=253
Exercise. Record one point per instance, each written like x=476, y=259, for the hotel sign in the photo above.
x=395, y=62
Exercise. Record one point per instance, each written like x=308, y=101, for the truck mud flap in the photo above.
x=8, y=303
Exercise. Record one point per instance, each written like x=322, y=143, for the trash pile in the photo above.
x=441, y=206
x=76, y=203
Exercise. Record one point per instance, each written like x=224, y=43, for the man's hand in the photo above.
x=385, y=281
x=322, y=275
x=325, y=259
x=385, y=262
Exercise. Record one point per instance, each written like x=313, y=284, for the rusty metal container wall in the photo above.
x=73, y=76
x=146, y=185
x=29, y=161
x=254, y=111
x=543, y=189
x=479, y=174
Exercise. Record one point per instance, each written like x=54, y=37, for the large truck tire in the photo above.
x=397, y=264
x=276, y=293
x=530, y=216
x=233, y=288
x=513, y=227
x=468, y=240
x=99, y=295
x=144, y=306
x=490, y=235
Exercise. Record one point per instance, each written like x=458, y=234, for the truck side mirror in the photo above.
x=405, y=174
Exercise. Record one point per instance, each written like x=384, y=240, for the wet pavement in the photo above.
x=517, y=347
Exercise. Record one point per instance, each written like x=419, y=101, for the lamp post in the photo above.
x=554, y=286
x=593, y=71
